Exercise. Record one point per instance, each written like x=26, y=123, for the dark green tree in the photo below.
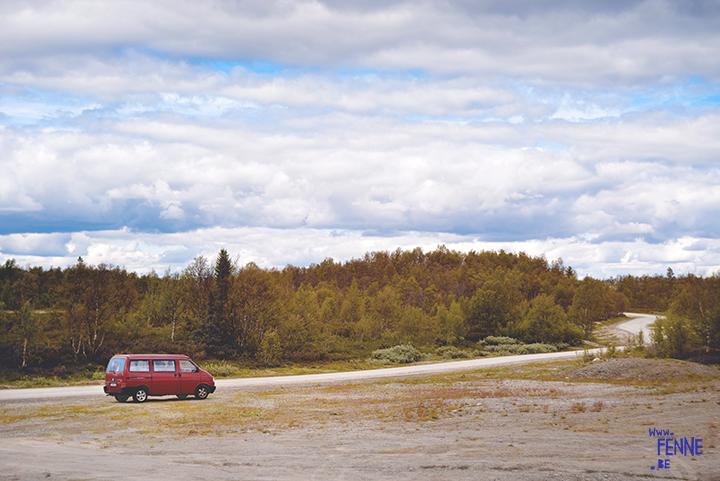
x=216, y=332
x=697, y=305
x=547, y=322
x=450, y=324
x=590, y=304
x=494, y=305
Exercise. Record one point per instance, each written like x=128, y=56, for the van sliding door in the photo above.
x=165, y=379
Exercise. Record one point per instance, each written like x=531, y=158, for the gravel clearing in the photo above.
x=527, y=423
x=631, y=368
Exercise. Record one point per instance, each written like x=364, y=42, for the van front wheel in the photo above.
x=140, y=395
x=202, y=392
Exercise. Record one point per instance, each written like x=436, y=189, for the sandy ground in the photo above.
x=549, y=421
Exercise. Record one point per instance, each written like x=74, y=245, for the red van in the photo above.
x=142, y=375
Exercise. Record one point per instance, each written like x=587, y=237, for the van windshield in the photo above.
x=187, y=366
x=116, y=365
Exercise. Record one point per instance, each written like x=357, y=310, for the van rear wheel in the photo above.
x=202, y=392
x=182, y=396
x=140, y=395
x=121, y=398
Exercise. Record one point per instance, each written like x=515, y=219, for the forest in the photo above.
x=216, y=309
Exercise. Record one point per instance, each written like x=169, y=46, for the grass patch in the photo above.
x=421, y=399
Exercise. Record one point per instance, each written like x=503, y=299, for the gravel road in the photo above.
x=639, y=322
x=461, y=426
x=279, y=381
x=387, y=424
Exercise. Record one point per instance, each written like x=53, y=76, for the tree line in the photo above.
x=218, y=309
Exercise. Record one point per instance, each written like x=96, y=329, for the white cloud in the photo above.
x=585, y=44
x=12, y=196
x=370, y=173
x=583, y=127
x=142, y=252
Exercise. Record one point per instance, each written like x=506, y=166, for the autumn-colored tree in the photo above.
x=385, y=309
x=198, y=283
x=329, y=318
x=351, y=312
x=257, y=307
x=301, y=329
x=93, y=298
x=171, y=305
x=441, y=297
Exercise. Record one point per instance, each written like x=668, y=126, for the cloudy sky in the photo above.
x=144, y=134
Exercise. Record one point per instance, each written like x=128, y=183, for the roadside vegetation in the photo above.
x=62, y=325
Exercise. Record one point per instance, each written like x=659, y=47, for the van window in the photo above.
x=116, y=365
x=164, y=366
x=187, y=366
x=139, y=366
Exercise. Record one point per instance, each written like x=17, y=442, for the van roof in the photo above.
x=152, y=356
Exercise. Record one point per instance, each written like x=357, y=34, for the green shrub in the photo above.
x=500, y=340
x=506, y=346
x=538, y=347
x=507, y=349
x=98, y=374
x=221, y=369
x=401, y=354
x=37, y=381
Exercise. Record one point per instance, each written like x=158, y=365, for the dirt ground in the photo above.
x=551, y=421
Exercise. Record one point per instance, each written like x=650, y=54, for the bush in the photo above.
x=501, y=340
x=507, y=349
x=221, y=369
x=538, y=347
x=402, y=354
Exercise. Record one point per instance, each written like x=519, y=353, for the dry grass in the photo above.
x=412, y=400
